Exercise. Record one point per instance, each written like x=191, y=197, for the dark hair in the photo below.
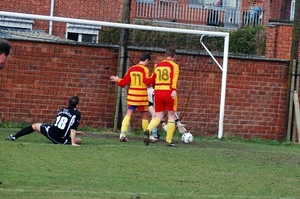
x=170, y=52
x=4, y=47
x=73, y=101
x=145, y=56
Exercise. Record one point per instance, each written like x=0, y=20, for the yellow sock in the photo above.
x=154, y=123
x=125, y=124
x=145, y=124
x=170, y=130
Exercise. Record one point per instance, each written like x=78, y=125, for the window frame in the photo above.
x=16, y=23
x=82, y=29
x=292, y=13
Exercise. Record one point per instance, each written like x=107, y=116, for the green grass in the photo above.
x=102, y=167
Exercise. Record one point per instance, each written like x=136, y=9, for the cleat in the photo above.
x=10, y=138
x=146, y=137
x=123, y=139
x=170, y=144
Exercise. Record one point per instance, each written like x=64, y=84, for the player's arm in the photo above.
x=74, y=127
x=174, y=80
x=114, y=78
x=73, y=137
x=149, y=80
x=79, y=133
x=175, y=76
x=122, y=81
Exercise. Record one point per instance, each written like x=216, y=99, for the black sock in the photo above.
x=24, y=131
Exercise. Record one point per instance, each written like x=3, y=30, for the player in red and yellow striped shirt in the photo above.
x=164, y=80
x=137, y=96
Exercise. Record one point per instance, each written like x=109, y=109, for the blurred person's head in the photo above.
x=5, y=48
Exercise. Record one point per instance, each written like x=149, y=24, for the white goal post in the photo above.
x=150, y=28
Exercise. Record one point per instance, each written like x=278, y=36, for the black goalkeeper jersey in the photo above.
x=66, y=119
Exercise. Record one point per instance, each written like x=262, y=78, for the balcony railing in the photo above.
x=230, y=17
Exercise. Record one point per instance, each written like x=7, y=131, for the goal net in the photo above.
x=195, y=100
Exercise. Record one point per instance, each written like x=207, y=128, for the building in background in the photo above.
x=205, y=13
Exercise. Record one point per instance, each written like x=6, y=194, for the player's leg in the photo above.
x=153, y=123
x=171, y=107
x=170, y=126
x=125, y=123
x=144, y=112
x=159, y=114
x=151, y=110
x=25, y=131
x=154, y=138
x=145, y=121
x=37, y=127
x=163, y=123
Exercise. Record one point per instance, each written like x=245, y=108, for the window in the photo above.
x=219, y=3
x=203, y=2
x=145, y=1
x=17, y=23
x=72, y=36
x=292, y=10
x=230, y=3
x=83, y=33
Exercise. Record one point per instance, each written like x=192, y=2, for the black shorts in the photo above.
x=56, y=139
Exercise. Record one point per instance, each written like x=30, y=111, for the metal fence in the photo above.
x=231, y=17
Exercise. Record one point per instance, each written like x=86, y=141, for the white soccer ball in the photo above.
x=187, y=138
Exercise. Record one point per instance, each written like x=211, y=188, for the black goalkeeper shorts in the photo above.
x=52, y=136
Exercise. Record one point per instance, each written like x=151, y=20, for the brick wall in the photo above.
x=40, y=77
x=279, y=40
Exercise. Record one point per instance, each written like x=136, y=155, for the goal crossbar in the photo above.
x=150, y=28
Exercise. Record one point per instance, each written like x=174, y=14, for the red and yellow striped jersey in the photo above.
x=137, y=92
x=165, y=76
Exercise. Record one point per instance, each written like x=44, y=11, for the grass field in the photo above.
x=102, y=167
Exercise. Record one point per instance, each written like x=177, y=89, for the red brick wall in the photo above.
x=40, y=77
x=279, y=40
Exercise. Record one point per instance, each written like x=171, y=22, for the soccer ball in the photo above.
x=187, y=138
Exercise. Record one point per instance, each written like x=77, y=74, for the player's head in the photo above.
x=5, y=48
x=73, y=101
x=145, y=56
x=170, y=52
